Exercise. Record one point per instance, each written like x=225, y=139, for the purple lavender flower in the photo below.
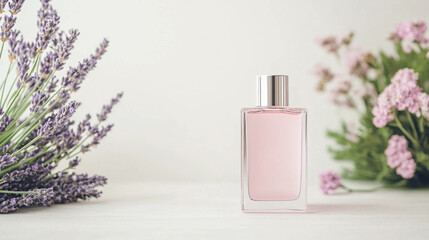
x=64, y=47
x=30, y=49
x=31, y=82
x=46, y=31
x=3, y=5
x=62, y=188
x=66, y=140
x=7, y=160
x=71, y=187
x=101, y=50
x=329, y=181
x=52, y=85
x=51, y=124
x=27, y=177
x=37, y=197
x=100, y=134
x=6, y=27
x=46, y=129
x=15, y=39
x=85, y=148
x=74, y=162
x=15, y=6
x=47, y=65
x=46, y=12
x=5, y=122
x=4, y=149
x=19, y=48
x=46, y=136
x=79, y=73
x=102, y=116
x=73, y=34
x=76, y=75
x=38, y=99
x=66, y=112
x=48, y=26
x=23, y=66
x=84, y=124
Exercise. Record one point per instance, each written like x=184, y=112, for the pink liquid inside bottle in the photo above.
x=274, y=155
x=273, y=151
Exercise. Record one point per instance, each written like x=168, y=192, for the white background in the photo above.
x=188, y=67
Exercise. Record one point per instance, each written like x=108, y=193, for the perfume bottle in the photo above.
x=273, y=150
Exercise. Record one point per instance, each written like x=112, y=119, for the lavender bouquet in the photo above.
x=36, y=130
x=389, y=93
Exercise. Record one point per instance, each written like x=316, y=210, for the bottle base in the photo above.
x=273, y=207
x=274, y=210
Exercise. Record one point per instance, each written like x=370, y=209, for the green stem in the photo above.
x=421, y=119
x=13, y=98
x=73, y=155
x=414, y=141
x=413, y=127
x=35, y=123
x=26, y=145
x=3, y=86
x=1, y=51
x=17, y=192
x=359, y=190
x=25, y=102
x=26, y=133
x=16, y=78
x=52, y=175
x=10, y=90
x=36, y=62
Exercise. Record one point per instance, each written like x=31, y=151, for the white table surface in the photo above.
x=165, y=210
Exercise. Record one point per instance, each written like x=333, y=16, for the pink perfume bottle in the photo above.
x=273, y=151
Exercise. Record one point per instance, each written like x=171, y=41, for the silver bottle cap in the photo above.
x=272, y=90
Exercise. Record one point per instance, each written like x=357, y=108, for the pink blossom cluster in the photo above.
x=356, y=61
x=340, y=93
x=324, y=74
x=343, y=86
x=412, y=31
x=402, y=94
x=329, y=181
x=399, y=157
x=332, y=43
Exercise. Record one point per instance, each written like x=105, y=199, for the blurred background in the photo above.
x=188, y=67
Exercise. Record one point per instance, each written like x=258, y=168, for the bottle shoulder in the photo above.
x=277, y=109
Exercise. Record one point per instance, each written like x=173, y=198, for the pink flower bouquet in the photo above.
x=390, y=94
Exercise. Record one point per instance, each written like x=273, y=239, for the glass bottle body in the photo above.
x=274, y=159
